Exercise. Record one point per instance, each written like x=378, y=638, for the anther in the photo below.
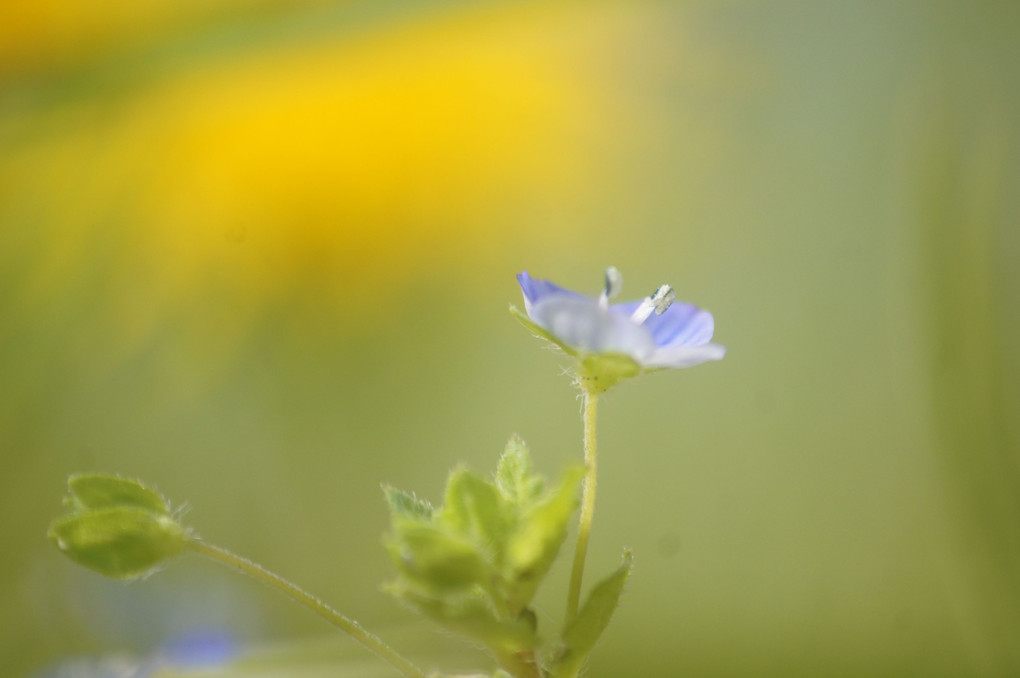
x=663, y=298
x=660, y=300
x=611, y=286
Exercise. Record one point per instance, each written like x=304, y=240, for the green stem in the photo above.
x=292, y=591
x=587, y=505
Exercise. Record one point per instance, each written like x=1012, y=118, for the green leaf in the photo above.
x=545, y=525
x=514, y=475
x=436, y=560
x=533, y=548
x=406, y=505
x=474, y=508
x=471, y=614
x=122, y=542
x=582, y=634
x=97, y=491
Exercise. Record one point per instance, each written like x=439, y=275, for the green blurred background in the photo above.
x=259, y=254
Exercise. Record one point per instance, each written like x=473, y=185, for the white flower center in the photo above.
x=660, y=300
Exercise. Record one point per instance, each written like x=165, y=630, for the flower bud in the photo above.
x=117, y=527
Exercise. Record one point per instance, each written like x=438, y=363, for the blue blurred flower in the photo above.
x=193, y=650
x=612, y=342
x=199, y=648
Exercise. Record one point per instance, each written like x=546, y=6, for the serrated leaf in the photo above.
x=436, y=560
x=583, y=633
x=406, y=505
x=534, y=546
x=474, y=507
x=99, y=491
x=122, y=542
x=514, y=475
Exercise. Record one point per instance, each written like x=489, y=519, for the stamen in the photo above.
x=611, y=287
x=663, y=298
x=660, y=300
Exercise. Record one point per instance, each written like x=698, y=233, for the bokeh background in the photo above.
x=259, y=253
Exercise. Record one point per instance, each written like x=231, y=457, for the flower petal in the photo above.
x=686, y=326
x=582, y=323
x=681, y=325
x=534, y=289
x=539, y=331
x=201, y=648
x=685, y=356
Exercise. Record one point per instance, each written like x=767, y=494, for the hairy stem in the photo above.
x=354, y=629
x=587, y=505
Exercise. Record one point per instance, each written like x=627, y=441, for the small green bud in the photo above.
x=514, y=474
x=406, y=505
x=117, y=527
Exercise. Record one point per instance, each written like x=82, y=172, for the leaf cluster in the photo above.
x=475, y=563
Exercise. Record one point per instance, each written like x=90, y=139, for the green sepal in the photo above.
x=583, y=633
x=96, y=491
x=540, y=331
x=597, y=372
x=121, y=542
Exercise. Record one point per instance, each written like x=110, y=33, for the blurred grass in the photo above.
x=260, y=254
x=964, y=172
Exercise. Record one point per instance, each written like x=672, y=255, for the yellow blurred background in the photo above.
x=259, y=254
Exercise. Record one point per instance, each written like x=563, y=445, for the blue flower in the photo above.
x=192, y=651
x=200, y=647
x=612, y=342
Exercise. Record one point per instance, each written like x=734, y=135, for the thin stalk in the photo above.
x=587, y=505
x=354, y=629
